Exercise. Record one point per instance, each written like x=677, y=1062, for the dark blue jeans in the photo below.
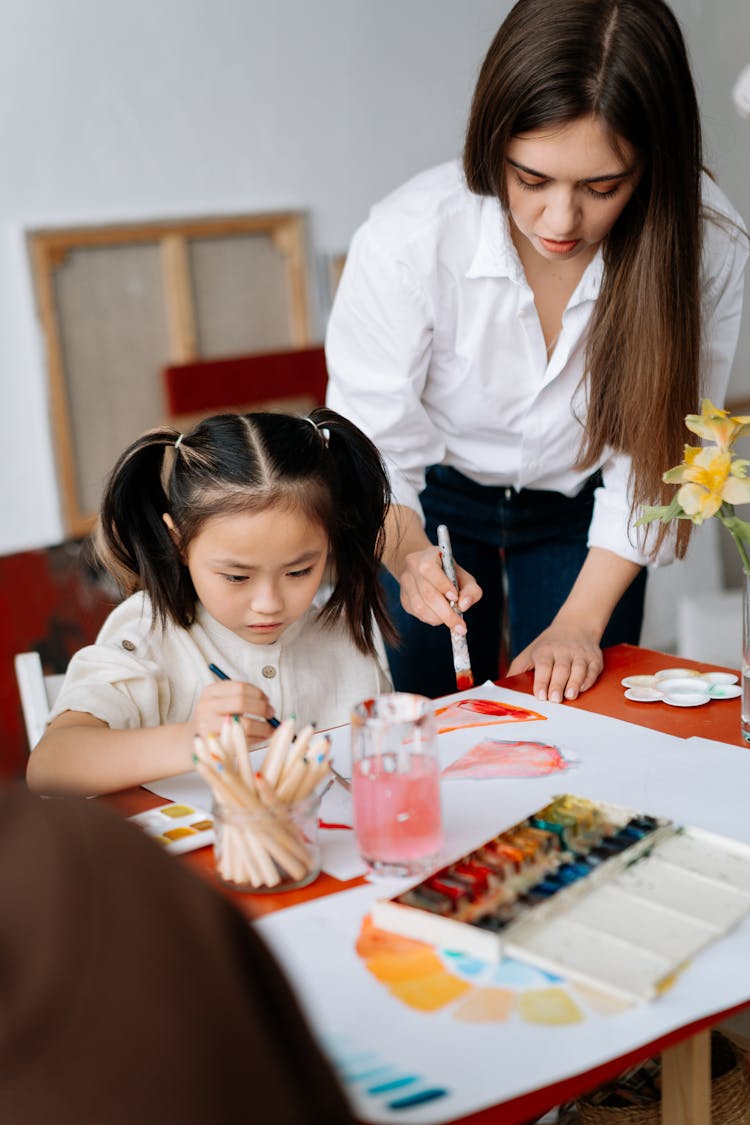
x=542, y=537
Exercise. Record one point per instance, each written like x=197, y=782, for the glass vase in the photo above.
x=746, y=656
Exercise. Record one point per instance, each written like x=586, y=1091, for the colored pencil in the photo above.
x=459, y=644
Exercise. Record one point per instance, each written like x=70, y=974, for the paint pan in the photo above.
x=177, y=827
x=621, y=901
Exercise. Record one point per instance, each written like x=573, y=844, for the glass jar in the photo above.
x=263, y=851
x=745, y=714
x=396, y=784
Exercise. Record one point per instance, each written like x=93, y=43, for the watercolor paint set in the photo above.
x=177, y=827
x=592, y=891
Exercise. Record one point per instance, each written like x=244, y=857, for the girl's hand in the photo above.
x=231, y=697
x=425, y=590
x=565, y=662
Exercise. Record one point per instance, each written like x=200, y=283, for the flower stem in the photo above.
x=740, y=532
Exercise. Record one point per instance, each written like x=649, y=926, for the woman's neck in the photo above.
x=552, y=283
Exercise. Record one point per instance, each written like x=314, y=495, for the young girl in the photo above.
x=523, y=336
x=223, y=538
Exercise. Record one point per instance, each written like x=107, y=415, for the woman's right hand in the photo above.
x=427, y=594
x=231, y=697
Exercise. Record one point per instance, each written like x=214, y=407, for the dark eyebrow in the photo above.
x=592, y=180
x=232, y=564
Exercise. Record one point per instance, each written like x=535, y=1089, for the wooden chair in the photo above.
x=37, y=691
x=293, y=381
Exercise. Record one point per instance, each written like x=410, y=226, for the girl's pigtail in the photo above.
x=133, y=541
x=361, y=495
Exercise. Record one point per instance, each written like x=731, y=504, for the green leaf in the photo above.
x=664, y=512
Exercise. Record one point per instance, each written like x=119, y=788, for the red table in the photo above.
x=686, y=1052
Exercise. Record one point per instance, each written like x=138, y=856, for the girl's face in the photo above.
x=567, y=187
x=257, y=573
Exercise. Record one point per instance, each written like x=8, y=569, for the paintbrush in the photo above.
x=459, y=643
x=272, y=722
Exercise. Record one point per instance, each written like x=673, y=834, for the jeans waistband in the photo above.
x=446, y=477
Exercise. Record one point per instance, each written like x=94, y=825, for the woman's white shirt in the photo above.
x=434, y=348
x=133, y=676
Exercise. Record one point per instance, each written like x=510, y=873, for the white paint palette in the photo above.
x=631, y=934
x=177, y=827
x=681, y=687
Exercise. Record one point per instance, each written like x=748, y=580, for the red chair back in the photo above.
x=292, y=380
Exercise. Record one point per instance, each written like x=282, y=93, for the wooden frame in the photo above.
x=164, y=258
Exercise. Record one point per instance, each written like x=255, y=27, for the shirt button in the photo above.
x=269, y=671
x=128, y=646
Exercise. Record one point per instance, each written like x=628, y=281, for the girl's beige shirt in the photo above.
x=135, y=676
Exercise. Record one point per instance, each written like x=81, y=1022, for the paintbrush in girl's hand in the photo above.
x=461, y=661
x=272, y=722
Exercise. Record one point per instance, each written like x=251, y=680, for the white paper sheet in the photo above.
x=616, y=762
x=368, y=1031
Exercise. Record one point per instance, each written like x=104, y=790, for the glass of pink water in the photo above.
x=396, y=784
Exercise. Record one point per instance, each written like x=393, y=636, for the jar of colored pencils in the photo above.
x=262, y=850
x=265, y=823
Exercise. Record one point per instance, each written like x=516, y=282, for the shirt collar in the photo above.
x=496, y=255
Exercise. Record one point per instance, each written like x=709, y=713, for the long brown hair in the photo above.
x=625, y=62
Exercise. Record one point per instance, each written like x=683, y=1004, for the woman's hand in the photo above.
x=427, y=594
x=565, y=662
x=231, y=697
x=566, y=657
x=415, y=564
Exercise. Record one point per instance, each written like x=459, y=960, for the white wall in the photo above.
x=114, y=111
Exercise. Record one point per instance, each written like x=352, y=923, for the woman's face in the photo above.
x=567, y=187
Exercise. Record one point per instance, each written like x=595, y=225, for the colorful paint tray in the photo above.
x=177, y=827
x=591, y=891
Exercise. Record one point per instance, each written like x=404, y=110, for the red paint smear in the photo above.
x=481, y=712
x=498, y=758
x=464, y=681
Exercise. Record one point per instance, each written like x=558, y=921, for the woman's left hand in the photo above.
x=565, y=662
x=566, y=657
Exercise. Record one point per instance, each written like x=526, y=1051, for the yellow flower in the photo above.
x=712, y=480
x=713, y=424
x=709, y=477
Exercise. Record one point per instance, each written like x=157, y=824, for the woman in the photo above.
x=523, y=337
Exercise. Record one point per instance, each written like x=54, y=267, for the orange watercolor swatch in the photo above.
x=429, y=994
x=372, y=940
x=486, y=1005
x=390, y=968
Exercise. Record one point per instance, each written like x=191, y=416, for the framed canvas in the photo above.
x=118, y=303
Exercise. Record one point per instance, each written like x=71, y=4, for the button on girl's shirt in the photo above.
x=268, y=671
x=128, y=646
